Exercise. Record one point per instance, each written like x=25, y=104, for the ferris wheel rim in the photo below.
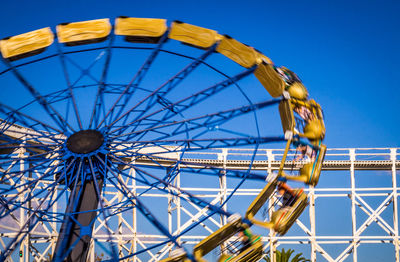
x=78, y=158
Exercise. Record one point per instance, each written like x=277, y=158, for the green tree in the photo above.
x=284, y=256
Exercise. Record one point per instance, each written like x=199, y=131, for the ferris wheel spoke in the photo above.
x=22, y=188
x=133, y=85
x=173, y=109
x=173, y=170
x=61, y=55
x=24, y=119
x=57, y=216
x=85, y=71
x=162, y=148
x=21, y=205
x=99, y=100
x=143, y=180
x=164, y=89
x=30, y=223
x=4, y=204
x=138, y=151
x=13, y=177
x=167, y=178
x=145, y=211
x=163, y=155
x=14, y=137
x=245, y=177
x=57, y=118
x=252, y=104
x=166, y=187
x=8, y=160
x=158, y=160
x=19, y=135
x=140, y=206
x=125, y=188
x=193, y=200
x=48, y=57
x=229, y=132
x=34, y=160
x=208, y=143
x=156, y=223
x=208, y=121
x=10, y=147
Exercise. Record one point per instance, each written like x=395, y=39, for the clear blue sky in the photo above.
x=346, y=52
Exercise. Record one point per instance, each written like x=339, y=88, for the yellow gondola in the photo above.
x=251, y=251
x=258, y=202
x=310, y=112
x=27, y=44
x=140, y=30
x=270, y=79
x=282, y=219
x=85, y=32
x=297, y=90
x=309, y=173
x=242, y=54
x=261, y=58
x=193, y=35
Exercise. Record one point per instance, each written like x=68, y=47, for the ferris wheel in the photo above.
x=99, y=108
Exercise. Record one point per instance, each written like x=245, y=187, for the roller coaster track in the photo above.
x=274, y=165
x=334, y=164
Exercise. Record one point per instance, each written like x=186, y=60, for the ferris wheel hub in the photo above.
x=85, y=141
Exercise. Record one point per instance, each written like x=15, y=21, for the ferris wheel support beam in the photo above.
x=75, y=231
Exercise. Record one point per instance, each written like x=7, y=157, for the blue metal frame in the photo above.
x=125, y=131
x=130, y=89
x=163, y=90
x=180, y=106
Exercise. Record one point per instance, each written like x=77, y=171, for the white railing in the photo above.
x=353, y=207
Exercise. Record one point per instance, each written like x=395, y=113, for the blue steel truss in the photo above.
x=36, y=155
